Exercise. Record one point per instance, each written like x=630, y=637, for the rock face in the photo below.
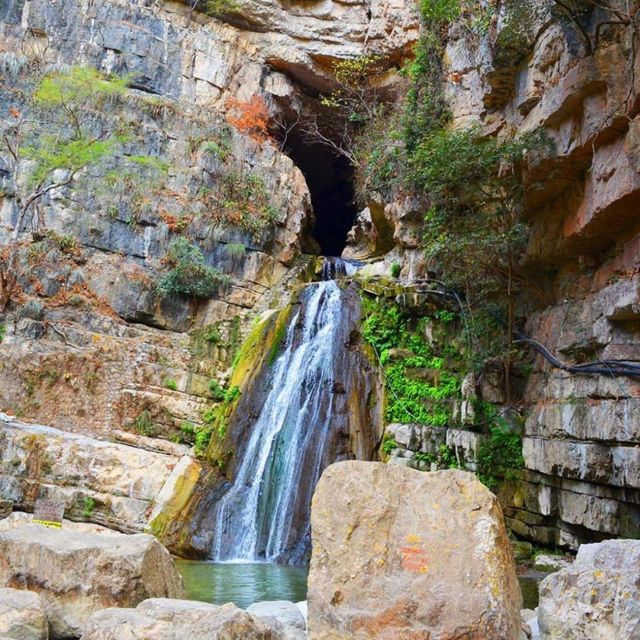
x=22, y=615
x=163, y=619
x=596, y=597
x=79, y=573
x=116, y=485
x=387, y=564
x=581, y=432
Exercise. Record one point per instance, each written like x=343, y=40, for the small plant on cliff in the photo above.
x=3, y=330
x=188, y=274
x=251, y=117
x=88, y=505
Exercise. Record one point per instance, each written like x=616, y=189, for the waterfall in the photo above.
x=264, y=515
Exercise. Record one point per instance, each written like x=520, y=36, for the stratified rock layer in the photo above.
x=77, y=574
x=596, y=597
x=403, y=554
x=113, y=484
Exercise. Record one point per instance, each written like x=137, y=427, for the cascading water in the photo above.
x=264, y=514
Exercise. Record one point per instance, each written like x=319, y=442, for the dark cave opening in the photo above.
x=330, y=178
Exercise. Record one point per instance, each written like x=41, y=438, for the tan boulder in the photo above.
x=400, y=554
x=77, y=573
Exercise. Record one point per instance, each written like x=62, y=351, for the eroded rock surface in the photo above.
x=77, y=573
x=403, y=554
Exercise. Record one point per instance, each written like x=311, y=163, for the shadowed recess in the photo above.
x=330, y=180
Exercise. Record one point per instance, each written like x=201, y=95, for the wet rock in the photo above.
x=78, y=573
x=598, y=596
x=165, y=619
x=399, y=553
x=22, y=615
x=286, y=612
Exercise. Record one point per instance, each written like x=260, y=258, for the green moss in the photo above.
x=170, y=383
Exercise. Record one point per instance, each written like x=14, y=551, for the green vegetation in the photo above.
x=395, y=270
x=499, y=456
x=144, y=424
x=88, y=505
x=421, y=384
x=188, y=274
x=3, y=331
x=170, y=383
x=239, y=200
x=216, y=391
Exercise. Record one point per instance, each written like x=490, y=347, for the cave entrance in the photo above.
x=330, y=178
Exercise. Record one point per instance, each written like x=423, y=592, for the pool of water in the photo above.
x=243, y=584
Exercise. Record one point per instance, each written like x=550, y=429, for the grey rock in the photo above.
x=286, y=612
x=598, y=596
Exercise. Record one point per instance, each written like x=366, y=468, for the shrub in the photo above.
x=251, y=117
x=395, y=270
x=499, y=455
x=216, y=391
x=189, y=275
x=3, y=331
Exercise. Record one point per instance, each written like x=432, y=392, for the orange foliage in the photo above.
x=250, y=117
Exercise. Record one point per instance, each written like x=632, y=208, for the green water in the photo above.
x=243, y=584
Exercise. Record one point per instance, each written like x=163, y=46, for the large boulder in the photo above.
x=402, y=554
x=163, y=619
x=22, y=615
x=598, y=596
x=78, y=573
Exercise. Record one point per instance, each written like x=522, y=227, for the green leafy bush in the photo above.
x=395, y=270
x=188, y=274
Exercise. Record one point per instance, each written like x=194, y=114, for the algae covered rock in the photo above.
x=165, y=619
x=402, y=554
x=22, y=615
x=78, y=573
x=598, y=596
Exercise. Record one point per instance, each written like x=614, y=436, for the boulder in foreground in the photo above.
x=598, y=596
x=78, y=573
x=163, y=619
x=402, y=554
x=22, y=615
